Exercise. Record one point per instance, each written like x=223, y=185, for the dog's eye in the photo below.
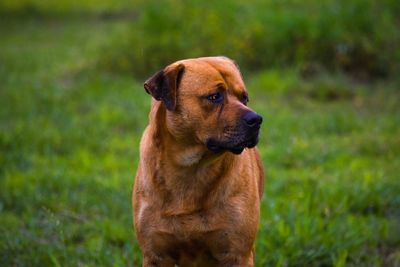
x=215, y=98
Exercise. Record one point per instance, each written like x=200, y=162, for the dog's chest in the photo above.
x=181, y=228
x=191, y=225
x=194, y=238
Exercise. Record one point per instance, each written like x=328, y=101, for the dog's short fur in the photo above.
x=199, y=182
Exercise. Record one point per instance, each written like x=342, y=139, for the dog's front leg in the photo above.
x=247, y=262
x=155, y=261
x=238, y=262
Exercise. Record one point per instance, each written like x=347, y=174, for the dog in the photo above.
x=200, y=179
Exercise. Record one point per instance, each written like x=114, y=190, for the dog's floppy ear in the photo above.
x=164, y=84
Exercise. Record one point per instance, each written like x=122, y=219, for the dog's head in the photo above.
x=206, y=101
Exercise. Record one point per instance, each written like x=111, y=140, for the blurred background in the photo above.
x=324, y=75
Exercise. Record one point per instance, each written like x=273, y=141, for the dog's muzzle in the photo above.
x=245, y=135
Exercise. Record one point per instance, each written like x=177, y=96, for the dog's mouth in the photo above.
x=235, y=144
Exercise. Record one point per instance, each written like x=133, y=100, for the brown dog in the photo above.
x=199, y=182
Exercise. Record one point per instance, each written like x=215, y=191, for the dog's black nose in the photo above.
x=252, y=119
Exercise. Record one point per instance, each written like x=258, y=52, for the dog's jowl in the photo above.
x=197, y=192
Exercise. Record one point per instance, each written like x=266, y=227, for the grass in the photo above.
x=360, y=37
x=69, y=149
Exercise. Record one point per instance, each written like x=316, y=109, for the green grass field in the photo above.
x=69, y=136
